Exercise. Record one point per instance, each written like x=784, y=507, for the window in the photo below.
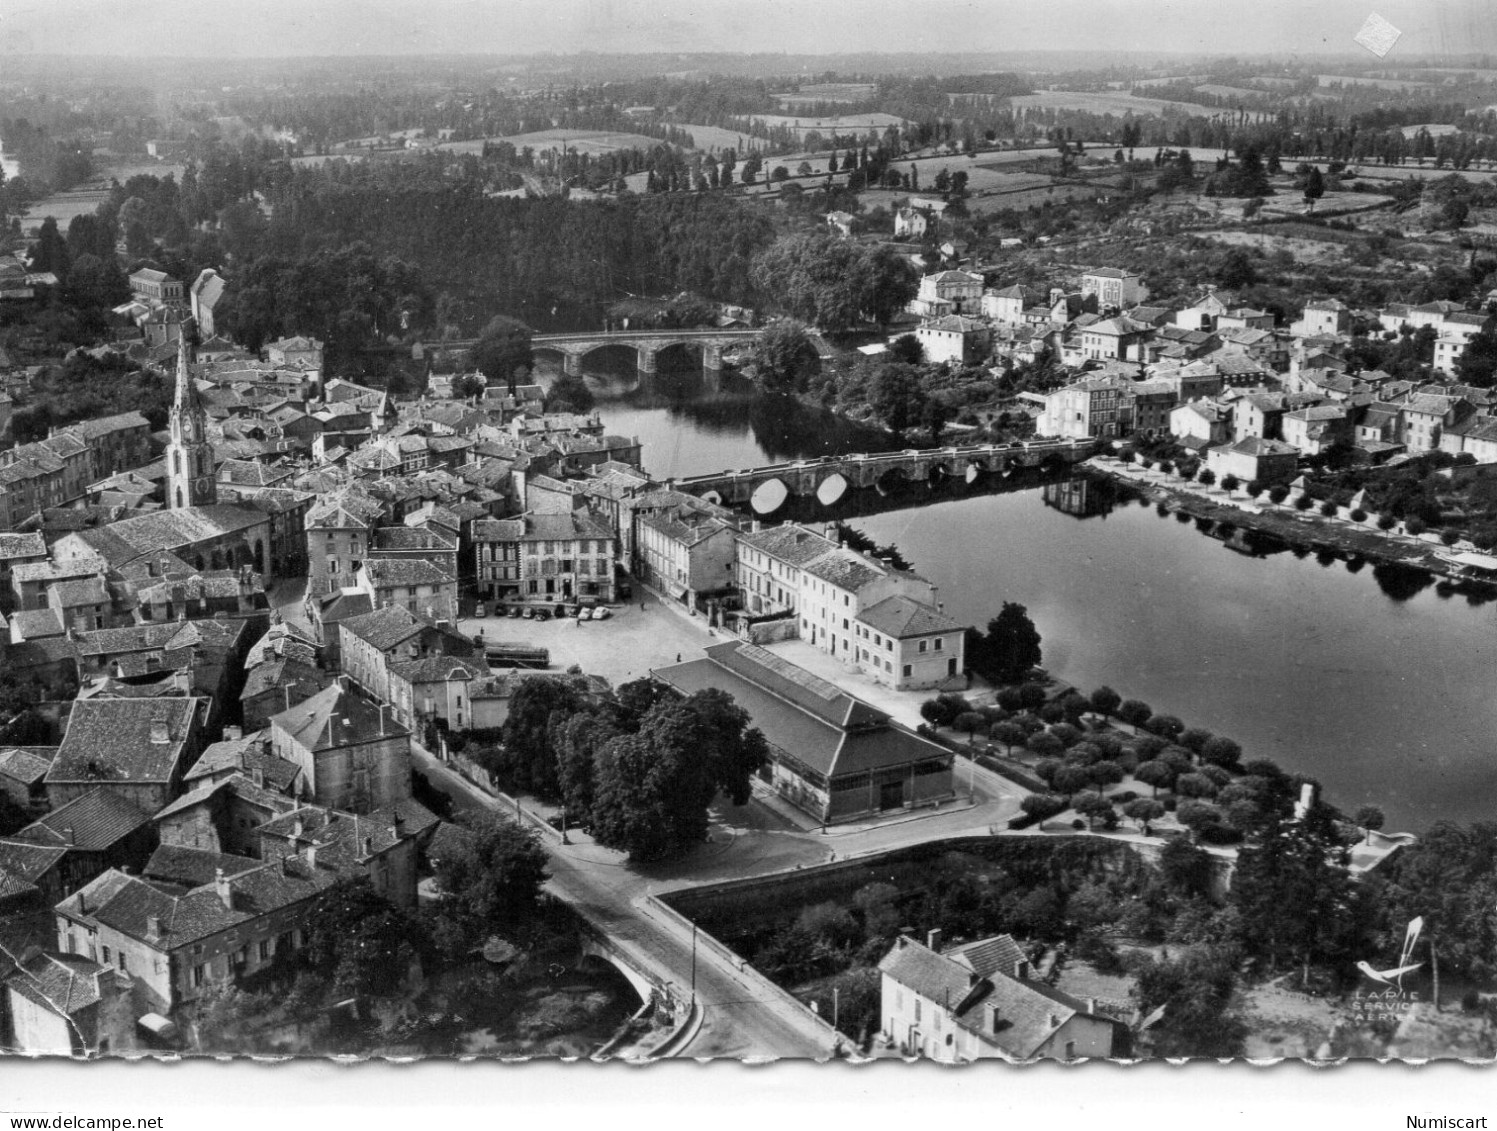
x=124, y=966
x=1070, y=1050
x=197, y=976
x=907, y=671
x=264, y=950
x=940, y=643
x=106, y=956
x=923, y=645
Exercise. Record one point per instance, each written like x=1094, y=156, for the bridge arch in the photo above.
x=601, y=952
x=769, y=496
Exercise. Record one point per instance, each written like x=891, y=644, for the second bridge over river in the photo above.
x=828, y=479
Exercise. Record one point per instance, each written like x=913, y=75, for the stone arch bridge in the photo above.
x=828, y=479
x=646, y=344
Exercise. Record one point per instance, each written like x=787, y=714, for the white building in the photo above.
x=981, y=1000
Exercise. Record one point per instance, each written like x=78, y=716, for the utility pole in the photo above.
x=693, y=964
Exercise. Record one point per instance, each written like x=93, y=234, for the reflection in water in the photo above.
x=1082, y=496
x=1330, y=675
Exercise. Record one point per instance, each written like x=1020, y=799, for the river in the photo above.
x=1379, y=688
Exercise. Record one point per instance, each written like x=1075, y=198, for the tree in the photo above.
x=1194, y=990
x=654, y=787
x=1103, y=773
x=1045, y=744
x=833, y=283
x=1145, y=811
x=907, y=348
x=1011, y=647
x=1166, y=726
x=1042, y=806
x=783, y=356
x=503, y=352
x=1094, y=807
x=1071, y=779
x=1135, y=712
x=970, y=722
x=1105, y=701
x=934, y=417
x=1371, y=818
x=896, y=395
x=466, y=386
x=1314, y=187
x=1155, y=773
x=1010, y=734
x=1198, y=815
x=1220, y=751
x=1293, y=901
x=943, y=710
x=1196, y=785
x=360, y=941
x=526, y=758
x=1477, y=364
x=569, y=393
x=490, y=878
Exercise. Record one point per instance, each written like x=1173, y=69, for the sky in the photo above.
x=261, y=28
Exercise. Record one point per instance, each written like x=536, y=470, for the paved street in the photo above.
x=624, y=647
x=739, y=1019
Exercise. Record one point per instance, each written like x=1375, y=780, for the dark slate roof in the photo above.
x=1028, y=1012
x=336, y=718
x=110, y=740
x=903, y=618
x=99, y=819
x=793, y=544
x=193, y=867
x=814, y=722
x=64, y=983
x=405, y=571
x=27, y=860
x=127, y=904
x=345, y=840
x=28, y=764
x=985, y=956
x=384, y=628
x=433, y=669
x=249, y=755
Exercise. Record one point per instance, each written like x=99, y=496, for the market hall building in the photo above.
x=832, y=756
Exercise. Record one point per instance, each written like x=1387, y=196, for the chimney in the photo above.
x=257, y=775
x=153, y=927
x=233, y=733
x=1021, y=971
x=160, y=734
x=312, y=857
x=397, y=823
x=1091, y=1005
x=67, y=836
x=368, y=845
x=933, y=939
x=297, y=826
x=1055, y=1021
x=221, y=885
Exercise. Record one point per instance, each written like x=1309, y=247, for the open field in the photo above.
x=1381, y=84
x=715, y=137
x=840, y=124
x=1106, y=102
x=124, y=170
x=62, y=207
x=1229, y=91
x=580, y=141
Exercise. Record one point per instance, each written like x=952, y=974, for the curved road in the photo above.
x=740, y=1017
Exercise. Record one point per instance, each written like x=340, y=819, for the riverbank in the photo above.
x=1296, y=527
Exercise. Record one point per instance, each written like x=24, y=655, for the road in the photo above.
x=739, y=1019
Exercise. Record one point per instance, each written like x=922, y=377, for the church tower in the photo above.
x=189, y=456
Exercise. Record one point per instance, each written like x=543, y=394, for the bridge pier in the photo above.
x=712, y=357
x=646, y=359
x=572, y=364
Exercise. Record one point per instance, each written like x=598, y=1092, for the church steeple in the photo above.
x=189, y=455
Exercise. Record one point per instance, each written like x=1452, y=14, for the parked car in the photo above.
x=601, y=613
x=514, y=612
x=542, y=614
x=584, y=614
x=481, y=610
x=528, y=614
